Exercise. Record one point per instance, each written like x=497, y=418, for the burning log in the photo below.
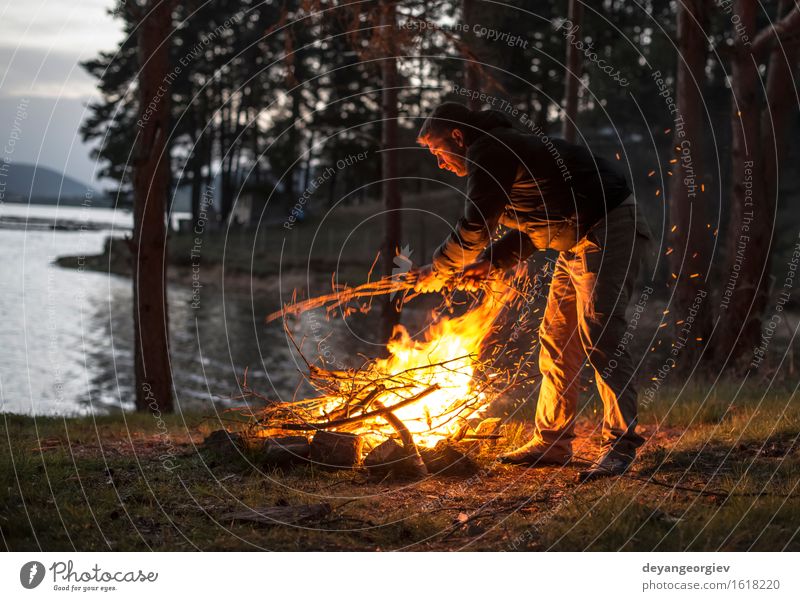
x=336, y=450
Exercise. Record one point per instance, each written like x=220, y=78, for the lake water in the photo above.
x=66, y=334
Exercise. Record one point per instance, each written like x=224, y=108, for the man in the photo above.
x=551, y=195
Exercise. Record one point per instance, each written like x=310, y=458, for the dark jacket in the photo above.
x=547, y=191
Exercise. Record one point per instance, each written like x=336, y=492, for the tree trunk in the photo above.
x=743, y=301
x=151, y=189
x=289, y=175
x=573, y=75
x=197, y=175
x=691, y=240
x=472, y=79
x=308, y=161
x=389, y=160
x=225, y=138
x=332, y=189
x=776, y=122
x=253, y=120
x=776, y=119
x=208, y=158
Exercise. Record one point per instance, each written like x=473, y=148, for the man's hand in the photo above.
x=428, y=280
x=474, y=275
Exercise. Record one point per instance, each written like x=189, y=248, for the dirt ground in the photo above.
x=727, y=482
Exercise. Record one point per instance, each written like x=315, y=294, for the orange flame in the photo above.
x=447, y=357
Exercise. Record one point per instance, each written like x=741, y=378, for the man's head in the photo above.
x=444, y=132
x=451, y=128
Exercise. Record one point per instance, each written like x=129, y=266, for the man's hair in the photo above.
x=451, y=115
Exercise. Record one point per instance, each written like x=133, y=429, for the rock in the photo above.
x=386, y=453
x=489, y=427
x=223, y=441
x=336, y=450
x=488, y=432
x=446, y=459
x=390, y=459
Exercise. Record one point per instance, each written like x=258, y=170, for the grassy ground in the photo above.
x=132, y=483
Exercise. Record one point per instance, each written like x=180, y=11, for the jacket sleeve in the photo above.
x=514, y=247
x=491, y=169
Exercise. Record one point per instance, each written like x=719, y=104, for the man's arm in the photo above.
x=513, y=248
x=491, y=169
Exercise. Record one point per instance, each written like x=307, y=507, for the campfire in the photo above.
x=426, y=392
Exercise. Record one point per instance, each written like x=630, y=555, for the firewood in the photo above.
x=282, y=450
x=364, y=416
x=336, y=450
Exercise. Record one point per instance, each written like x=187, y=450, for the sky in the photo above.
x=41, y=44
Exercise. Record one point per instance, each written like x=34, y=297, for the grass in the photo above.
x=130, y=483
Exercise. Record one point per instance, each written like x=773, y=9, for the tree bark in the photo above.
x=743, y=300
x=389, y=159
x=572, y=77
x=691, y=240
x=151, y=190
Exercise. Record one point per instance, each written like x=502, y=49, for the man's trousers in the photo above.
x=591, y=288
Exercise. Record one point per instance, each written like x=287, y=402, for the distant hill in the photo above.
x=40, y=185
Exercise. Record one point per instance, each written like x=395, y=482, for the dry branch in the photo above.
x=385, y=285
x=417, y=465
x=360, y=418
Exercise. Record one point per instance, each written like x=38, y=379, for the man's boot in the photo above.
x=536, y=453
x=611, y=463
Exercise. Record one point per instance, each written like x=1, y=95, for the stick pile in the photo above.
x=364, y=400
